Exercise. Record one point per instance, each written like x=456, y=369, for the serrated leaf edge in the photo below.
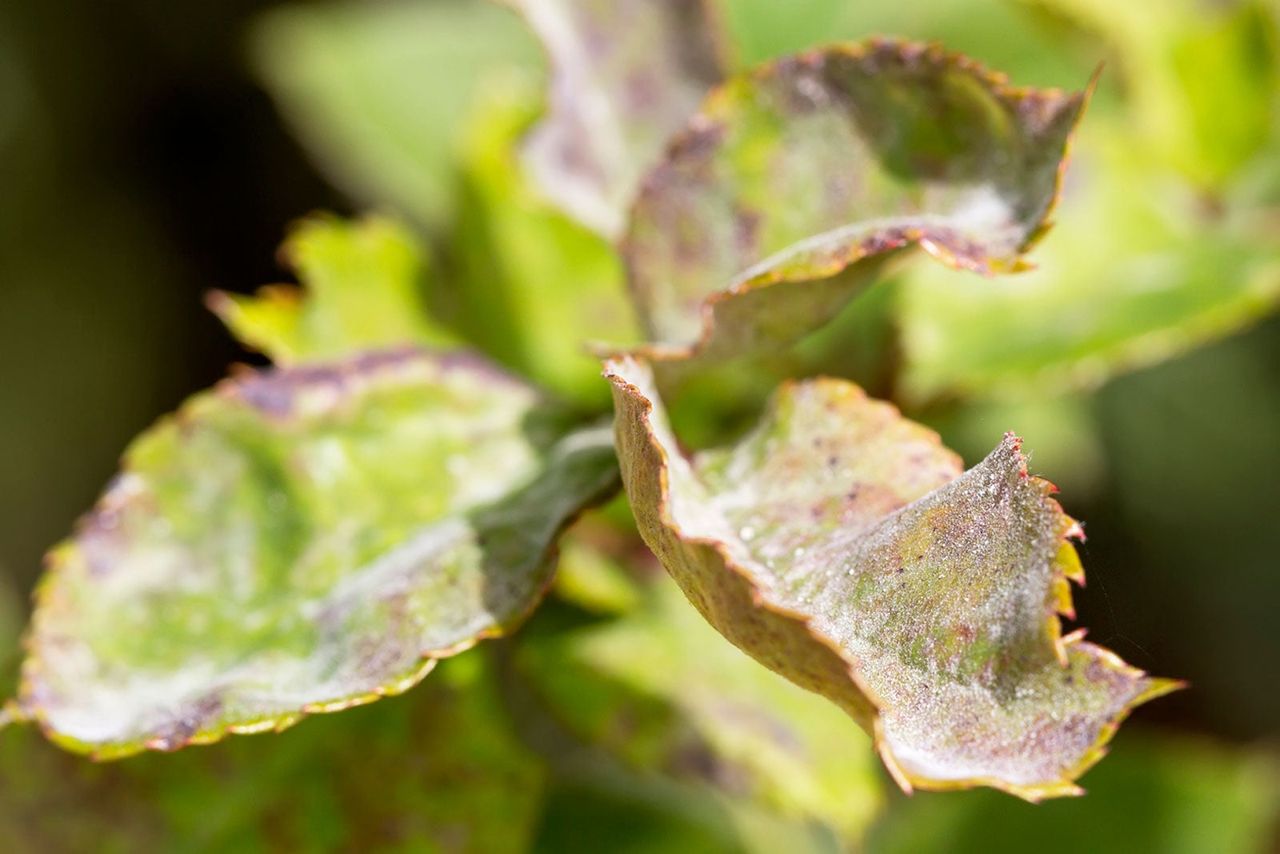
x=1068, y=568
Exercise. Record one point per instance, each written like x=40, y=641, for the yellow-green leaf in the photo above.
x=842, y=546
x=1135, y=272
x=378, y=91
x=660, y=690
x=303, y=540
x=532, y=285
x=362, y=289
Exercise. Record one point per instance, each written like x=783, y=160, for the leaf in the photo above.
x=303, y=540
x=363, y=291
x=430, y=771
x=592, y=578
x=659, y=689
x=376, y=91
x=1163, y=239
x=532, y=285
x=822, y=160
x=763, y=29
x=1135, y=273
x=625, y=75
x=1203, y=80
x=1168, y=793
x=842, y=546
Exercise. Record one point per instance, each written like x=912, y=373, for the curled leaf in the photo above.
x=303, y=540
x=362, y=290
x=842, y=546
x=816, y=162
x=625, y=75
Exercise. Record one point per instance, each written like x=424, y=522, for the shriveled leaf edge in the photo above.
x=1067, y=568
x=22, y=709
x=875, y=244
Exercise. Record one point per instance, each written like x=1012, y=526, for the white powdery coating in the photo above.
x=937, y=584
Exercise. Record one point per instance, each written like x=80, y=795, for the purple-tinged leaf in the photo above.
x=842, y=546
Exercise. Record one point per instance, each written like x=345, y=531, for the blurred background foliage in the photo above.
x=150, y=155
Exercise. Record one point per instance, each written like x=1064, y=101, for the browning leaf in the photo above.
x=818, y=161
x=842, y=546
x=303, y=540
x=625, y=75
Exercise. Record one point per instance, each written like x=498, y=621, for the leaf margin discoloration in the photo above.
x=26, y=706
x=709, y=121
x=637, y=437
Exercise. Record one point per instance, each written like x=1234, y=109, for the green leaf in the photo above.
x=626, y=74
x=303, y=540
x=533, y=286
x=376, y=91
x=430, y=771
x=764, y=29
x=1167, y=793
x=814, y=163
x=1135, y=272
x=362, y=291
x=1163, y=241
x=1203, y=80
x=660, y=690
x=843, y=547
x=592, y=579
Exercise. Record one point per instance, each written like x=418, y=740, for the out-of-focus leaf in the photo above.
x=591, y=578
x=659, y=689
x=646, y=814
x=534, y=286
x=303, y=540
x=378, y=91
x=362, y=291
x=626, y=74
x=437, y=770
x=764, y=29
x=821, y=160
x=1203, y=79
x=1134, y=273
x=1005, y=35
x=1169, y=794
x=842, y=546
